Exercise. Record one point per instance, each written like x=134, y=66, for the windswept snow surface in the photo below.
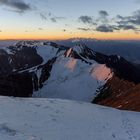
x=53, y=119
x=75, y=80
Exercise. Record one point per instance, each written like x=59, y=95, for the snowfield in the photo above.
x=54, y=119
x=74, y=80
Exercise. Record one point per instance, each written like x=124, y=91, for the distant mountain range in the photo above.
x=127, y=49
x=46, y=69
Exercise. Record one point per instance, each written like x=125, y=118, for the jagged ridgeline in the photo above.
x=46, y=69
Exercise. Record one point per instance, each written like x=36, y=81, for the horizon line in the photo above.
x=10, y=39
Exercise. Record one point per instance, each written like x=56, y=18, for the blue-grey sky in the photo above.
x=42, y=19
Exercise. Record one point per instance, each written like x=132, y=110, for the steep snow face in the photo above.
x=46, y=52
x=74, y=79
x=41, y=119
x=101, y=72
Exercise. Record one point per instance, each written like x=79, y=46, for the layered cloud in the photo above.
x=86, y=19
x=16, y=5
x=103, y=13
x=105, y=28
x=55, y=19
x=85, y=29
x=133, y=19
x=103, y=23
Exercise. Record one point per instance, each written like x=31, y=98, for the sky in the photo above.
x=62, y=19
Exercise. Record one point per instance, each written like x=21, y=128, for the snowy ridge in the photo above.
x=79, y=48
x=38, y=119
x=82, y=52
x=45, y=49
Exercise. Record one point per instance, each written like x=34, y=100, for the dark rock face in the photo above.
x=46, y=71
x=13, y=83
x=45, y=74
x=24, y=58
x=119, y=93
x=5, y=66
x=17, y=85
x=124, y=69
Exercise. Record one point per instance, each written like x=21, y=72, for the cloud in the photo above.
x=103, y=23
x=46, y=16
x=16, y=5
x=85, y=29
x=55, y=19
x=103, y=13
x=67, y=25
x=106, y=28
x=133, y=19
x=43, y=17
x=40, y=28
x=112, y=28
x=86, y=19
x=49, y=14
x=119, y=17
x=103, y=17
x=127, y=27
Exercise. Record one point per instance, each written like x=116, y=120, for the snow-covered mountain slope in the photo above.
x=53, y=119
x=53, y=71
x=46, y=69
x=74, y=79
